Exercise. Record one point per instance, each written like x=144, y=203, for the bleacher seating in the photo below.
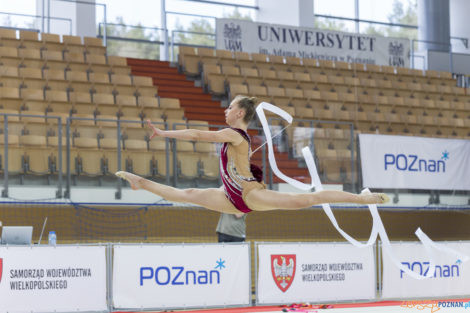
x=375, y=99
x=45, y=78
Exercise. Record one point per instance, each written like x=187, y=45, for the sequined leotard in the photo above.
x=235, y=169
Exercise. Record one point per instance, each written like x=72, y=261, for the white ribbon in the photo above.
x=272, y=161
x=378, y=228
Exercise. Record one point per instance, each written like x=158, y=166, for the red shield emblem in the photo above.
x=1, y=269
x=283, y=270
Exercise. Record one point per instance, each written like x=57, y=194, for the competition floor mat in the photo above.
x=406, y=306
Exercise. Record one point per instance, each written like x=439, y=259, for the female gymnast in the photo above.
x=241, y=191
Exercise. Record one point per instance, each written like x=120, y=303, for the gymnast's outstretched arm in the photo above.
x=224, y=135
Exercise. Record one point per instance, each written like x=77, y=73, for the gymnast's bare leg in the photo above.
x=210, y=198
x=265, y=200
x=257, y=199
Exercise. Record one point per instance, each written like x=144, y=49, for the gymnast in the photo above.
x=242, y=190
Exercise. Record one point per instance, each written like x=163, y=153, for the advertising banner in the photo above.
x=301, y=42
x=53, y=279
x=451, y=276
x=403, y=162
x=181, y=275
x=312, y=272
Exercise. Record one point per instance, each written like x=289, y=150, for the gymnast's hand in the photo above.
x=155, y=131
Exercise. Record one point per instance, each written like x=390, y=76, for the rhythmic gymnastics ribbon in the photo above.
x=378, y=228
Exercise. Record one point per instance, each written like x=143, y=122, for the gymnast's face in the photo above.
x=233, y=114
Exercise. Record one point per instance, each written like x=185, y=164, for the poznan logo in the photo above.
x=283, y=270
x=181, y=275
x=445, y=155
x=415, y=163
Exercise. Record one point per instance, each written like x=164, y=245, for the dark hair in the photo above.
x=248, y=104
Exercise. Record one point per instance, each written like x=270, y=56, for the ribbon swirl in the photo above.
x=378, y=228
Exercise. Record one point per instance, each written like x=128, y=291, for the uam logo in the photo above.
x=396, y=54
x=283, y=270
x=1, y=269
x=232, y=37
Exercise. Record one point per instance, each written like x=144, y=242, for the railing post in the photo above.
x=164, y=57
x=118, y=194
x=167, y=161
x=69, y=175
x=105, y=32
x=175, y=165
x=49, y=16
x=5, y=156
x=42, y=15
x=172, y=45
x=354, y=184
x=59, y=156
x=451, y=58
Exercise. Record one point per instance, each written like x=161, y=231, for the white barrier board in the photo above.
x=407, y=162
x=52, y=279
x=181, y=275
x=451, y=278
x=304, y=272
x=302, y=42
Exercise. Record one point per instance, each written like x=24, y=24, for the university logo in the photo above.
x=283, y=270
x=233, y=37
x=1, y=269
x=396, y=53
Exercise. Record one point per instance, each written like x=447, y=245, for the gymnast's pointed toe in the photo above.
x=121, y=174
x=383, y=198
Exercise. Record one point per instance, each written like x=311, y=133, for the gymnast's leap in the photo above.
x=241, y=191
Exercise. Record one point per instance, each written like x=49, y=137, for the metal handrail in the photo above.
x=189, y=14
x=354, y=183
x=245, y=6
x=464, y=40
x=172, y=48
x=420, y=57
x=119, y=139
x=196, y=33
x=126, y=25
x=133, y=40
x=21, y=28
x=105, y=37
x=451, y=66
x=136, y=40
x=118, y=122
x=358, y=20
x=5, y=134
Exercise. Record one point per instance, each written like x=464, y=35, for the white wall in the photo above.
x=459, y=10
x=286, y=12
x=83, y=17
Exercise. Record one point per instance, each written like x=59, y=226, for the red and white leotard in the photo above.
x=236, y=172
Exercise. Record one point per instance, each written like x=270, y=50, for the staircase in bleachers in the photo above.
x=197, y=105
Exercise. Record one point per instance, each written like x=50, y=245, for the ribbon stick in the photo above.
x=378, y=228
x=253, y=152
